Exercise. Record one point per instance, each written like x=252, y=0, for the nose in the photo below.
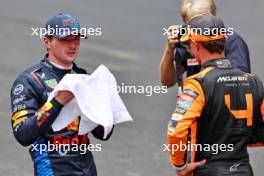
x=73, y=44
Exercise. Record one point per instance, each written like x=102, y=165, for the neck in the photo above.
x=59, y=64
x=208, y=56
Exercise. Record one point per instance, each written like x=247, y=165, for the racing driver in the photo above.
x=220, y=108
x=32, y=115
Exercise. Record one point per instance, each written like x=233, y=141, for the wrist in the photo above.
x=60, y=100
x=180, y=168
x=170, y=49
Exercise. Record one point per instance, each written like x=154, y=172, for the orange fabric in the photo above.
x=74, y=125
x=193, y=139
x=202, y=73
x=18, y=121
x=18, y=117
x=178, y=136
x=242, y=114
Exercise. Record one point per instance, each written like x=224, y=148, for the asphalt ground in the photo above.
x=131, y=46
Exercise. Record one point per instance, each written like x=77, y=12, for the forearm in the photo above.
x=35, y=125
x=167, y=69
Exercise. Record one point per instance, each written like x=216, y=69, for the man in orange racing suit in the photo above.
x=220, y=111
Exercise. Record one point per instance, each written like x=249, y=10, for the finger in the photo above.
x=173, y=27
x=173, y=41
x=170, y=37
x=192, y=166
x=200, y=163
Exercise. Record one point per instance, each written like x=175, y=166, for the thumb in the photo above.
x=193, y=166
x=200, y=163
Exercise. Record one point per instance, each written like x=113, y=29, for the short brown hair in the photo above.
x=215, y=46
x=193, y=8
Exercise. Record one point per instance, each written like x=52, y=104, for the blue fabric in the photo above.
x=237, y=52
x=62, y=21
x=41, y=160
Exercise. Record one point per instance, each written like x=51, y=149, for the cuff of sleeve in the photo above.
x=180, y=168
x=56, y=104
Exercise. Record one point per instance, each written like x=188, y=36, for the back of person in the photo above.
x=226, y=122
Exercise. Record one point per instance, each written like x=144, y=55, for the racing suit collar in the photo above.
x=52, y=67
x=218, y=62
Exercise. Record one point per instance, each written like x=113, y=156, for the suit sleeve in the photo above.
x=98, y=133
x=29, y=119
x=257, y=137
x=183, y=121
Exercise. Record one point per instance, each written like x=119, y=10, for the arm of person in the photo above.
x=168, y=75
x=29, y=121
x=183, y=123
x=257, y=139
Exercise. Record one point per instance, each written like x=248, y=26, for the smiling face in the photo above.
x=63, y=51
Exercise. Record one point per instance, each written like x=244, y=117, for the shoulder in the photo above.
x=202, y=74
x=235, y=38
x=78, y=69
x=28, y=76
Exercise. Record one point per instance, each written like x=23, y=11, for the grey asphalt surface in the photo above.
x=131, y=46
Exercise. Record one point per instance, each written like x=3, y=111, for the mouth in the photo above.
x=71, y=53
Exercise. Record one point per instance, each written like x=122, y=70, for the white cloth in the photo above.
x=96, y=100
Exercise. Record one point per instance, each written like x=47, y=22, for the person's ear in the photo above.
x=46, y=42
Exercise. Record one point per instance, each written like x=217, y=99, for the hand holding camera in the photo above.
x=172, y=37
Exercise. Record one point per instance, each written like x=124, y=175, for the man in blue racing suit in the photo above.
x=32, y=115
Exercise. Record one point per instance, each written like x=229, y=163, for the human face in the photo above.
x=63, y=51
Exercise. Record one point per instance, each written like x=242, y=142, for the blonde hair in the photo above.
x=194, y=8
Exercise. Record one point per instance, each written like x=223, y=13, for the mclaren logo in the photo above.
x=231, y=78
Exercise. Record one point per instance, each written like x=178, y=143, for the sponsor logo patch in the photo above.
x=46, y=107
x=192, y=62
x=170, y=131
x=173, y=123
x=191, y=93
x=18, y=89
x=231, y=78
x=180, y=110
x=184, y=104
x=18, y=100
x=176, y=117
x=19, y=114
x=74, y=125
x=51, y=83
x=223, y=63
x=185, y=97
x=19, y=107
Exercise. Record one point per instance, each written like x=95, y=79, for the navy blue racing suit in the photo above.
x=32, y=117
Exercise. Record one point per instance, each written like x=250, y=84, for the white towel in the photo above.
x=96, y=100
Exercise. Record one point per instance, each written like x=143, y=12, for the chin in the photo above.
x=71, y=59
